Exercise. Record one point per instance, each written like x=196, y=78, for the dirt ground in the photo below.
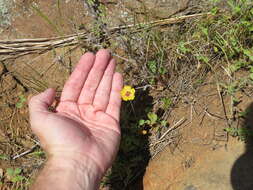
x=203, y=156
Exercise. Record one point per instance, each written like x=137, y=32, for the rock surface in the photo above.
x=132, y=11
x=158, y=8
x=210, y=170
x=5, y=13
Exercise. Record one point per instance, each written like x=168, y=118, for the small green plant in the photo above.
x=244, y=114
x=14, y=175
x=248, y=53
x=3, y=157
x=239, y=64
x=182, y=47
x=235, y=7
x=202, y=58
x=204, y=30
x=21, y=101
x=166, y=103
x=242, y=133
x=153, y=122
x=152, y=66
x=230, y=88
x=91, y=2
x=251, y=73
x=152, y=119
x=155, y=68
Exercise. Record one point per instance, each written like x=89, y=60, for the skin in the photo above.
x=82, y=136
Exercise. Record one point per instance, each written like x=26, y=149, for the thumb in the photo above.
x=39, y=104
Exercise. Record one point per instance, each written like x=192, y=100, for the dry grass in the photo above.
x=20, y=47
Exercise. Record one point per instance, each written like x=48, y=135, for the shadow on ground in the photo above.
x=242, y=171
x=130, y=165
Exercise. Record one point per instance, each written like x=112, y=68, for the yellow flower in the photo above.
x=144, y=132
x=127, y=93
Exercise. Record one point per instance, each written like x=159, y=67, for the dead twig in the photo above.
x=25, y=153
x=212, y=115
x=177, y=124
x=223, y=104
x=19, y=47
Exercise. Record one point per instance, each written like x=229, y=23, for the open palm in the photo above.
x=86, y=121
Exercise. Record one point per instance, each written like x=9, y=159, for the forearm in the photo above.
x=68, y=175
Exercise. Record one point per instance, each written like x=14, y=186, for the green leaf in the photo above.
x=38, y=153
x=248, y=53
x=17, y=171
x=246, y=23
x=251, y=76
x=251, y=69
x=243, y=113
x=10, y=171
x=152, y=117
x=251, y=28
x=141, y=122
x=203, y=58
x=236, y=66
x=166, y=103
x=21, y=101
x=214, y=10
x=163, y=123
x=235, y=101
x=152, y=66
x=237, y=9
x=3, y=157
x=182, y=48
x=215, y=1
x=204, y=30
x=216, y=49
x=19, y=105
x=162, y=70
x=148, y=122
x=17, y=178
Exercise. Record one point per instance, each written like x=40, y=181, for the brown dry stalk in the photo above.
x=18, y=47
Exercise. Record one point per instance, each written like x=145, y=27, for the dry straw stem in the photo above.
x=19, y=47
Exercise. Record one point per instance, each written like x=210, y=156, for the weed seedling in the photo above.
x=14, y=175
x=21, y=102
x=242, y=133
x=166, y=103
x=153, y=122
x=3, y=157
x=182, y=48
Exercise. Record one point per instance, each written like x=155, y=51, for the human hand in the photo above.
x=85, y=126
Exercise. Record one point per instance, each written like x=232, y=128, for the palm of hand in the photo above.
x=86, y=120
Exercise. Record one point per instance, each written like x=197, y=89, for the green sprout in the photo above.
x=14, y=175
x=21, y=101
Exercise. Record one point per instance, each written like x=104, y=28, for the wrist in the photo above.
x=85, y=174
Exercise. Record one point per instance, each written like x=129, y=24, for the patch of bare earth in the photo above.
x=204, y=155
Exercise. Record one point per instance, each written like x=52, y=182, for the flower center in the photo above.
x=128, y=93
